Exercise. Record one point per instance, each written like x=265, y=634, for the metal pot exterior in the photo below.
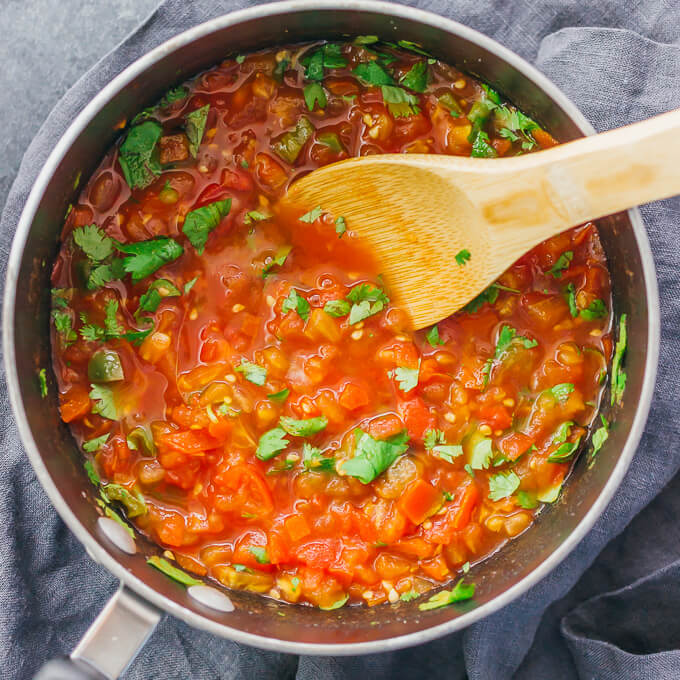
x=58, y=463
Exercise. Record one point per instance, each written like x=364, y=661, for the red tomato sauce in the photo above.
x=255, y=404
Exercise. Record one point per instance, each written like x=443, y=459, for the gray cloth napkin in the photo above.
x=619, y=61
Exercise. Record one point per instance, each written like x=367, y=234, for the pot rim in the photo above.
x=93, y=547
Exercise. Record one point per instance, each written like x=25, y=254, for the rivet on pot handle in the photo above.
x=110, y=643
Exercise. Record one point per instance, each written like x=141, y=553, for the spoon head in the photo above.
x=427, y=236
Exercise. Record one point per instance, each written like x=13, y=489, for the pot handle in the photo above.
x=110, y=643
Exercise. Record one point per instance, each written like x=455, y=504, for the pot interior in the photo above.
x=256, y=620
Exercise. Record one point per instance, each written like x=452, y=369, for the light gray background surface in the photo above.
x=48, y=44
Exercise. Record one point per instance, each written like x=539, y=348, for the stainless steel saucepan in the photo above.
x=145, y=594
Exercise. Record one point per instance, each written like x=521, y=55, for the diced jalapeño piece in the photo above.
x=105, y=366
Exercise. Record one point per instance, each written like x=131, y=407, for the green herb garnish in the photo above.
x=461, y=591
x=372, y=456
x=138, y=154
x=174, y=573
x=200, y=222
x=463, y=257
x=252, y=372
x=303, y=428
x=296, y=303
x=562, y=263
x=502, y=485
x=195, y=127
x=314, y=94
x=271, y=443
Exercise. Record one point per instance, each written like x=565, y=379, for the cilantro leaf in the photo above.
x=278, y=260
x=489, y=295
x=314, y=94
x=190, y=284
x=111, y=327
x=435, y=441
x=62, y=324
x=514, y=125
x=340, y=226
x=159, y=289
x=200, y=222
x=91, y=472
x=255, y=216
x=138, y=154
x=271, y=443
x=332, y=56
x=373, y=73
x=433, y=336
x=195, y=127
x=367, y=300
x=134, y=505
x=252, y=372
x=60, y=297
x=337, y=308
x=303, y=428
x=173, y=572
x=279, y=396
x=416, y=77
x=104, y=273
x=413, y=47
x=502, y=485
x=462, y=257
x=42, y=382
x=562, y=432
x=327, y=56
x=409, y=595
x=296, y=303
x=595, y=310
x=562, y=391
x=526, y=500
x=481, y=147
x=105, y=405
x=562, y=263
x=148, y=256
x=564, y=452
x=137, y=337
x=480, y=112
x=619, y=376
x=399, y=102
x=598, y=439
x=94, y=242
x=312, y=215
x=372, y=456
x=432, y=438
x=406, y=377
x=173, y=95
x=461, y=591
x=313, y=459
x=570, y=295
x=260, y=554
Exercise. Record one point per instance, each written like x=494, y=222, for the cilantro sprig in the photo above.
x=200, y=222
x=373, y=456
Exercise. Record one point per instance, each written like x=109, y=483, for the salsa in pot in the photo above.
x=244, y=391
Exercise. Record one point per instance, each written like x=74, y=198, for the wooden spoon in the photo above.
x=418, y=211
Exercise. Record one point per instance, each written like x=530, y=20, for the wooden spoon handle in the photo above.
x=587, y=178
